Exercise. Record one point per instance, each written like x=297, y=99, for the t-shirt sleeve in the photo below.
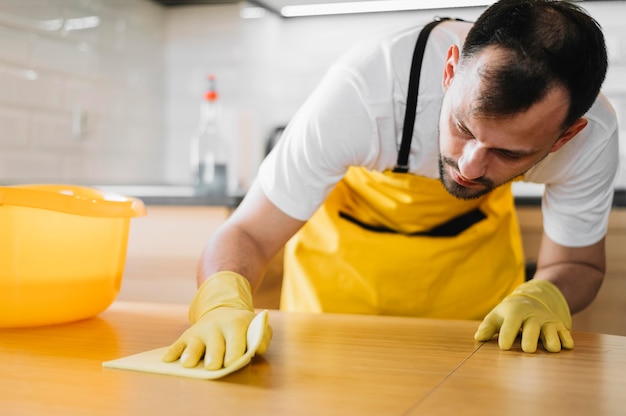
x=580, y=181
x=336, y=128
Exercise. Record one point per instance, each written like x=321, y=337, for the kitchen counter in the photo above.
x=173, y=195
x=526, y=194
x=316, y=365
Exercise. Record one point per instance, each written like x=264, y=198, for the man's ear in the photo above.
x=450, y=66
x=569, y=134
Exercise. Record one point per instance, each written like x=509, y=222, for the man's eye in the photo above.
x=509, y=156
x=463, y=130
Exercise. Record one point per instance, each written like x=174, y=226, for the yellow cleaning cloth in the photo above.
x=151, y=362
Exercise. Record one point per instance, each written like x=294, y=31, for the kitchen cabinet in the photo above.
x=163, y=252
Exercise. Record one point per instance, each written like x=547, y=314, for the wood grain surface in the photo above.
x=316, y=365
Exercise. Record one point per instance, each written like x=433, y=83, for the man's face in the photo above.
x=479, y=153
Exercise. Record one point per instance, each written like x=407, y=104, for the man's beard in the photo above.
x=459, y=191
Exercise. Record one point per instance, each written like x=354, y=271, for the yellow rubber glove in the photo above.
x=538, y=309
x=220, y=314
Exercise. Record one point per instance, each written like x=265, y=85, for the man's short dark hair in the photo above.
x=549, y=43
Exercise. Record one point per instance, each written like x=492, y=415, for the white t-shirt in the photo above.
x=355, y=118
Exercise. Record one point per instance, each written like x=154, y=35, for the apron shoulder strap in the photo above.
x=402, y=164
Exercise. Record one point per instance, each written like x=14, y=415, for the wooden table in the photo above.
x=316, y=365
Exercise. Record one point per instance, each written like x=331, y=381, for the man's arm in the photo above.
x=566, y=281
x=578, y=272
x=233, y=262
x=248, y=241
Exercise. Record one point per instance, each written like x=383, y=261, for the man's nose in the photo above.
x=473, y=161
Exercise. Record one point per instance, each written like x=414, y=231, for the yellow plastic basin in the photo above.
x=62, y=252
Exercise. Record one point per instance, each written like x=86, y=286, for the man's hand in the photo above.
x=536, y=308
x=220, y=313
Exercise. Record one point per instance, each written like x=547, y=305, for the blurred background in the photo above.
x=108, y=91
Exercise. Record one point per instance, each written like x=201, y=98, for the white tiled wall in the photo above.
x=117, y=103
x=81, y=105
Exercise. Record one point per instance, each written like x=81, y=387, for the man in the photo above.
x=417, y=219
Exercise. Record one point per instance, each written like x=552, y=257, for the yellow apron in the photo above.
x=393, y=243
x=335, y=264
